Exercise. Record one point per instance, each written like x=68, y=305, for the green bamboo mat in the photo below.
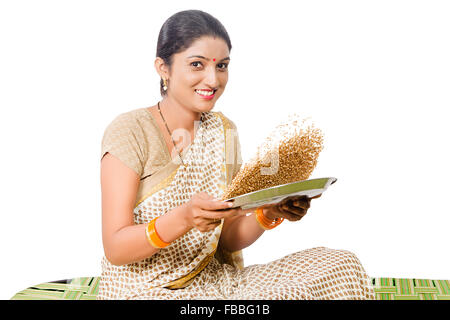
x=83, y=288
x=411, y=289
x=86, y=288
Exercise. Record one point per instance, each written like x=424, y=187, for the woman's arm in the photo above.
x=123, y=241
x=241, y=231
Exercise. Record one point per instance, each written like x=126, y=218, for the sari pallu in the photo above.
x=208, y=162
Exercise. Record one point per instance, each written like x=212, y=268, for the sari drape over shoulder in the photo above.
x=195, y=266
x=207, y=164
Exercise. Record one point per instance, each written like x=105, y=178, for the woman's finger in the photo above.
x=294, y=204
x=296, y=211
x=214, y=205
x=223, y=213
x=286, y=214
x=305, y=204
x=214, y=221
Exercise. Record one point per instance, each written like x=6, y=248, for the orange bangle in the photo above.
x=152, y=236
x=265, y=222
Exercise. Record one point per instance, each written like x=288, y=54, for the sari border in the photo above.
x=171, y=164
x=161, y=185
x=236, y=257
x=162, y=173
x=187, y=279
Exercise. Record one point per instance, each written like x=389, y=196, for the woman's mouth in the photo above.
x=206, y=94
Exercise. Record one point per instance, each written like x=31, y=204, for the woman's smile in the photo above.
x=206, y=94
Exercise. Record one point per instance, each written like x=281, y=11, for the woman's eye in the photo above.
x=224, y=65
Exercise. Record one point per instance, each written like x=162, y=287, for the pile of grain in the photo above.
x=288, y=154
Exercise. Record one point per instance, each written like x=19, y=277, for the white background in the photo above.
x=374, y=75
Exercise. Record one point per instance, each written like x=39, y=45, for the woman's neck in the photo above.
x=177, y=116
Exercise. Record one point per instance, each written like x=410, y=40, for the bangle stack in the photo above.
x=266, y=223
x=152, y=236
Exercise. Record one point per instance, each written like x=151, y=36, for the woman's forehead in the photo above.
x=207, y=47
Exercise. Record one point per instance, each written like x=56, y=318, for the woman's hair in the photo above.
x=182, y=29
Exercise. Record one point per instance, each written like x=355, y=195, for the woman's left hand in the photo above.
x=291, y=208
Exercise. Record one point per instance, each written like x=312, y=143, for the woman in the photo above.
x=165, y=233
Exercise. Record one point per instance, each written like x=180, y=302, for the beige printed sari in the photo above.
x=195, y=266
x=209, y=161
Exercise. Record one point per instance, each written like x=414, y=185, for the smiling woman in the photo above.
x=166, y=234
x=189, y=75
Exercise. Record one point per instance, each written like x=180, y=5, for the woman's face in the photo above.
x=204, y=65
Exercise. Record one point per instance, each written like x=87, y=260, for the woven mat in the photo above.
x=86, y=288
x=411, y=289
x=83, y=288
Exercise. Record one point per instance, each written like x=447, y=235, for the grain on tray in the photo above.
x=288, y=154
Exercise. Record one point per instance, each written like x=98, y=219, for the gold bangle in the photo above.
x=265, y=222
x=152, y=236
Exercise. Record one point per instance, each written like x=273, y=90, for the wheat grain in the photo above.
x=291, y=150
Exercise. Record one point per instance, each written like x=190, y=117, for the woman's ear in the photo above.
x=161, y=68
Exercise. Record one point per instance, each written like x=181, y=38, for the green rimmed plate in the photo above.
x=309, y=188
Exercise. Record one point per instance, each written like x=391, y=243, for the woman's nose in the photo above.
x=212, y=79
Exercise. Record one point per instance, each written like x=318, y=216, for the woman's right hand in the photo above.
x=201, y=212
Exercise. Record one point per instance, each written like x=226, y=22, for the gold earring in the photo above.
x=164, y=85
